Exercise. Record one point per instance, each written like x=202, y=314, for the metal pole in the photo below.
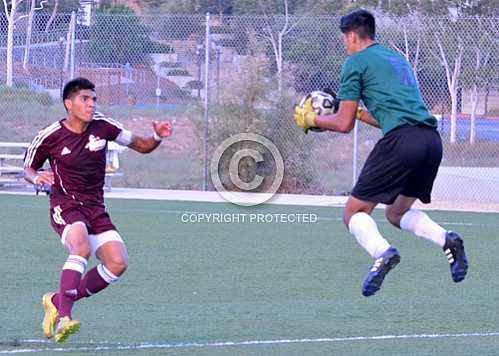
x=199, y=48
x=218, y=49
x=355, y=152
x=61, y=77
x=72, y=56
x=128, y=70
x=206, y=97
x=158, y=90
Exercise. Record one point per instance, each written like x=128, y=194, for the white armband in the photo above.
x=35, y=180
x=124, y=138
x=157, y=137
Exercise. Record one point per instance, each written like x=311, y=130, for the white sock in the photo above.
x=421, y=225
x=106, y=274
x=364, y=228
x=76, y=263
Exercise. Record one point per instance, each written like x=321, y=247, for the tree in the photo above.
x=479, y=59
x=411, y=35
x=58, y=7
x=200, y=7
x=275, y=29
x=481, y=68
x=176, y=7
x=11, y=20
x=12, y=15
x=316, y=54
x=52, y=15
x=246, y=94
x=118, y=36
x=450, y=50
x=29, y=29
x=410, y=46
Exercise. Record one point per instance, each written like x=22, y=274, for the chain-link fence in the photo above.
x=220, y=76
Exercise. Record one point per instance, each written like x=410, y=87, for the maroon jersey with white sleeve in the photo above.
x=78, y=161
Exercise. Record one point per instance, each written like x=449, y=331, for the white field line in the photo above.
x=279, y=199
x=106, y=346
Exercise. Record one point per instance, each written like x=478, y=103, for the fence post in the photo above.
x=355, y=152
x=72, y=56
x=206, y=98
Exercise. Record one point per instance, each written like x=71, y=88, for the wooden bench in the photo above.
x=12, y=159
x=11, y=162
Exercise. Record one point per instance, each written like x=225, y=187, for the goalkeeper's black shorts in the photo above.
x=405, y=161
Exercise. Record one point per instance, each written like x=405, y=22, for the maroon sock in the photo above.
x=55, y=300
x=70, y=280
x=91, y=283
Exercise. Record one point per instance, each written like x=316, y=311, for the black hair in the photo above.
x=75, y=85
x=361, y=22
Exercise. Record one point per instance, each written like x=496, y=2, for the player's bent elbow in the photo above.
x=147, y=148
x=141, y=149
x=345, y=128
x=343, y=124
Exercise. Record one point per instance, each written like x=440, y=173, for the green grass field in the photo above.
x=251, y=288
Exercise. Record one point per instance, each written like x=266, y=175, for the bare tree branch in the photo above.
x=452, y=76
x=42, y=3
x=29, y=30
x=52, y=15
x=305, y=15
x=5, y=8
x=276, y=37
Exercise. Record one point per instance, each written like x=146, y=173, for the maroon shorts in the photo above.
x=94, y=217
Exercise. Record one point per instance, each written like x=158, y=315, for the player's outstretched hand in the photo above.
x=163, y=128
x=305, y=115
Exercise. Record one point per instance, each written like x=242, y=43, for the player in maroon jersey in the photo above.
x=76, y=150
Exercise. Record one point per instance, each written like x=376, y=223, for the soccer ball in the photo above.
x=323, y=103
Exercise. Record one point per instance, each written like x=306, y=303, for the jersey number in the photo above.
x=403, y=71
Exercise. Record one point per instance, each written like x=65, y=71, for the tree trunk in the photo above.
x=474, y=106
x=452, y=84
x=10, y=44
x=277, y=48
x=486, y=102
x=279, y=66
x=453, y=116
x=68, y=50
x=474, y=91
x=52, y=16
x=29, y=31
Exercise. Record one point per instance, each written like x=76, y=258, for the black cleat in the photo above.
x=378, y=271
x=454, y=250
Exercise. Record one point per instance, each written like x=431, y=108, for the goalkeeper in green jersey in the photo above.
x=404, y=163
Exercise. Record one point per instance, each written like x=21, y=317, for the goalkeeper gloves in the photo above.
x=305, y=115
